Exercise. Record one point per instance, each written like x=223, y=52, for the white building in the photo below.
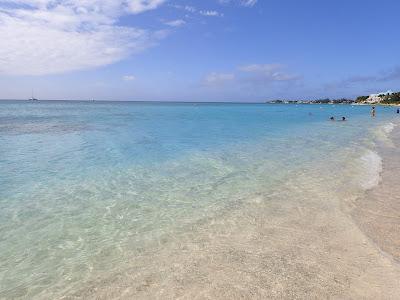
x=374, y=98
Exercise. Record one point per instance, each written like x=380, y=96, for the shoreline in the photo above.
x=378, y=213
x=304, y=249
x=375, y=104
x=188, y=102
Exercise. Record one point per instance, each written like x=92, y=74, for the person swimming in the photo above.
x=398, y=111
x=333, y=119
x=373, y=112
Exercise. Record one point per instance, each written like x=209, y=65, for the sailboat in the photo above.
x=33, y=98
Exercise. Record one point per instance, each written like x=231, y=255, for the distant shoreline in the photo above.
x=199, y=102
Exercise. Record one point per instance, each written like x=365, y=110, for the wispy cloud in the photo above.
x=48, y=37
x=188, y=8
x=195, y=10
x=266, y=73
x=211, y=13
x=383, y=76
x=175, y=23
x=246, y=3
x=139, y=6
x=217, y=79
x=128, y=78
x=253, y=74
x=393, y=74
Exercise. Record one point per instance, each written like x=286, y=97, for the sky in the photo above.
x=209, y=50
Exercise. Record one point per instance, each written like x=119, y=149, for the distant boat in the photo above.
x=33, y=98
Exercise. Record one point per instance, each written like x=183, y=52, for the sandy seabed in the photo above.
x=317, y=246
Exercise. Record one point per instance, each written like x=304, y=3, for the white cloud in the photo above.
x=267, y=68
x=211, y=13
x=139, y=6
x=194, y=10
x=175, y=23
x=191, y=9
x=219, y=78
x=252, y=75
x=129, y=78
x=268, y=72
x=246, y=3
x=187, y=8
x=47, y=36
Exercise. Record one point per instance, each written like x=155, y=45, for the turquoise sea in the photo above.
x=86, y=188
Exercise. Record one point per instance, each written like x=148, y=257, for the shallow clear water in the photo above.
x=84, y=187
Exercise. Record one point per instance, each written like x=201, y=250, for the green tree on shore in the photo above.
x=391, y=98
x=361, y=99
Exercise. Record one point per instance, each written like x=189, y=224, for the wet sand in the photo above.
x=316, y=247
x=378, y=214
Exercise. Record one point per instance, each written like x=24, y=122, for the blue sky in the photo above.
x=211, y=50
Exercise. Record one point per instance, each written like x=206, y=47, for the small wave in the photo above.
x=371, y=164
x=382, y=134
x=388, y=128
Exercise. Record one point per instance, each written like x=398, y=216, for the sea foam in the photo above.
x=382, y=134
x=388, y=128
x=371, y=164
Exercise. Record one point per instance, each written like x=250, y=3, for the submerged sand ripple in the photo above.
x=305, y=249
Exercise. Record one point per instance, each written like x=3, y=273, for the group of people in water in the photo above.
x=373, y=111
x=333, y=119
x=373, y=114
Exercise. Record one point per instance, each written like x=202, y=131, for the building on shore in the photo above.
x=377, y=98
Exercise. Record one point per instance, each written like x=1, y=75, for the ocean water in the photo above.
x=88, y=189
